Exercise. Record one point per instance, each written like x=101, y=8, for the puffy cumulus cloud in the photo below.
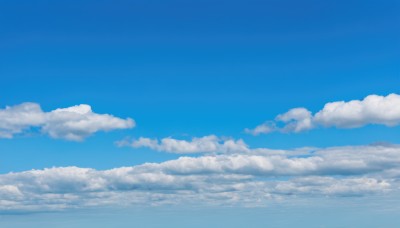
x=251, y=180
x=73, y=123
x=373, y=109
x=16, y=119
x=206, y=144
x=79, y=122
x=296, y=120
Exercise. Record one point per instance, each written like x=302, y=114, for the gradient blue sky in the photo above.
x=192, y=68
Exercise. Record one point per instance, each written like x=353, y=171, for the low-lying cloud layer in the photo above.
x=373, y=109
x=73, y=123
x=253, y=179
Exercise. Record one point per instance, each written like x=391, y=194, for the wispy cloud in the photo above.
x=206, y=144
x=73, y=123
x=373, y=109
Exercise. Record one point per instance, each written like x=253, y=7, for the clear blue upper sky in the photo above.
x=192, y=68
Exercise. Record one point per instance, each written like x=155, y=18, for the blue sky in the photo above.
x=191, y=69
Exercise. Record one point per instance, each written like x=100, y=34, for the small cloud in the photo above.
x=265, y=128
x=73, y=123
x=206, y=144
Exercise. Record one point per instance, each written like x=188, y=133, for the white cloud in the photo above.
x=333, y=186
x=206, y=144
x=253, y=180
x=16, y=119
x=79, y=122
x=73, y=123
x=373, y=109
x=296, y=120
x=332, y=161
x=264, y=128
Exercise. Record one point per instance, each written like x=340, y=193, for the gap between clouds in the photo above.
x=373, y=109
x=78, y=122
x=73, y=123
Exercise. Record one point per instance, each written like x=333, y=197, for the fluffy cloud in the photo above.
x=206, y=144
x=78, y=122
x=358, y=160
x=16, y=119
x=373, y=109
x=73, y=123
x=252, y=179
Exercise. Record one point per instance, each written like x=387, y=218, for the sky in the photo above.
x=113, y=113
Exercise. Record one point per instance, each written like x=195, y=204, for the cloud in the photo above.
x=332, y=186
x=358, y=160
x=79, y=122
x=206, y=144
x=73, y=123
x=296, y=120
x=243, y=179
x=16, y=119
x=373, y=109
